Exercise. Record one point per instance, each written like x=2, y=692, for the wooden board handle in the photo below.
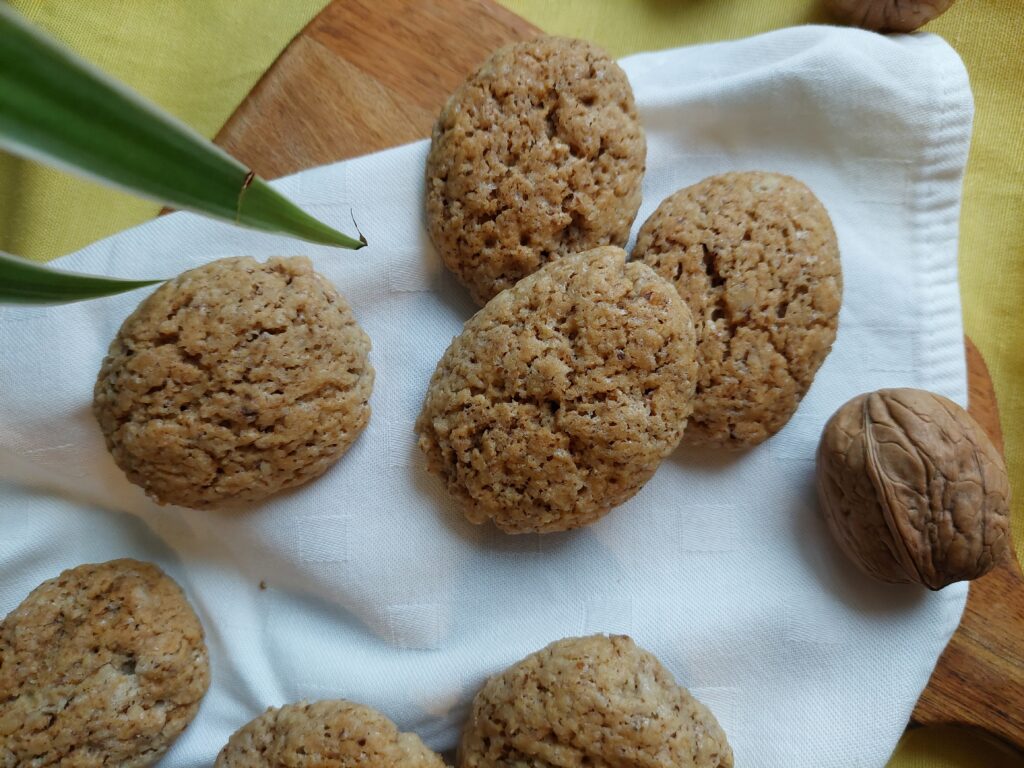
x=979, y=680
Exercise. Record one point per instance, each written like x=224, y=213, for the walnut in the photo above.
x=913, y=489
x=888, y=15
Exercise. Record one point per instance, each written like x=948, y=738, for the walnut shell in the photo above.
x=913, y=489
x=888, y=15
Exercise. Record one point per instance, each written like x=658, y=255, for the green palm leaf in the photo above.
x=59, y=109
x=25, y=282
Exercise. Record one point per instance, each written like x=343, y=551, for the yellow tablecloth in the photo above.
x=165, y=49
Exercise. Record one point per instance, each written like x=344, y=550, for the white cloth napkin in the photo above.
x=368, y=584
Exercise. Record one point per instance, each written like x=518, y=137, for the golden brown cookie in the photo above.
x=334, y=734
x=590, y=702
x=104, y=665
x=755, y=257
x=562, y=395
x=537, y=155
x=234, y=381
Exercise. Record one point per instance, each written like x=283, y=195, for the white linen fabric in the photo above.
x=368, y=584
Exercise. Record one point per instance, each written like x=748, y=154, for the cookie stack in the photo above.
x=582, y=371
x=565, y=392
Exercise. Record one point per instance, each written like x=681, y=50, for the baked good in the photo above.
x=233, y=381
x=756, y=259
x=324, y=734
x=103, y=665
x=537, y=155
x=590, y=702
x=562, y=395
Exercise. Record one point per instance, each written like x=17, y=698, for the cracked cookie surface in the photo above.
x=756, y=259
x=591, y=701
x=537, y=155
x=333, y=733
x=234, y=381
x=562, y=395
x=103, y=665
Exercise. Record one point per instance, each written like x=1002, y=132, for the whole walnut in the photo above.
x=913, y=489
x=888, y=15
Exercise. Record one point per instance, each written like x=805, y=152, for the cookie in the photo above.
x=537, y=155
x=755, y=257
x=103, y=665
x=590, y=702
x=337, y=733
x=234, y=381
x=562, y=395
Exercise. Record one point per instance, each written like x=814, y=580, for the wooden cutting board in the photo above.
x=370, y=74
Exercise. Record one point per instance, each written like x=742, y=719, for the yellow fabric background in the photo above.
x=198, y=59
x=195, y=58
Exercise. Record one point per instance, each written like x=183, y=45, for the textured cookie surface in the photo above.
x=325, y=734
x=562, y=395
x=233, y=381
x=755, y=257
x=539, y=154
x=596, y=701
x=104, y=665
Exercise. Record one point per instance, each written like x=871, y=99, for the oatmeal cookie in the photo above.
x=103, y=665
x=538, y=155
x=337, y=733
x=756, y=259
x=590, y=702
x=234, y=381
x=562, y=395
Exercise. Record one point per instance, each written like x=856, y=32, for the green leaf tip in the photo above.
x=25, y=282
x=61, y=110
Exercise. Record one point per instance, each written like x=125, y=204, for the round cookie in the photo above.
x=562, y=395
x=755, y=257
x=336, y=733
x=234, y=381
x=590, y=702
x=103, y=665
x=537, y=155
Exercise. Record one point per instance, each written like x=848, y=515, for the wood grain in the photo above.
x=370, y=74
x=364, y=75
x=979, y=680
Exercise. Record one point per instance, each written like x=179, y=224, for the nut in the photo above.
x=888, y=15
x=913, y=489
